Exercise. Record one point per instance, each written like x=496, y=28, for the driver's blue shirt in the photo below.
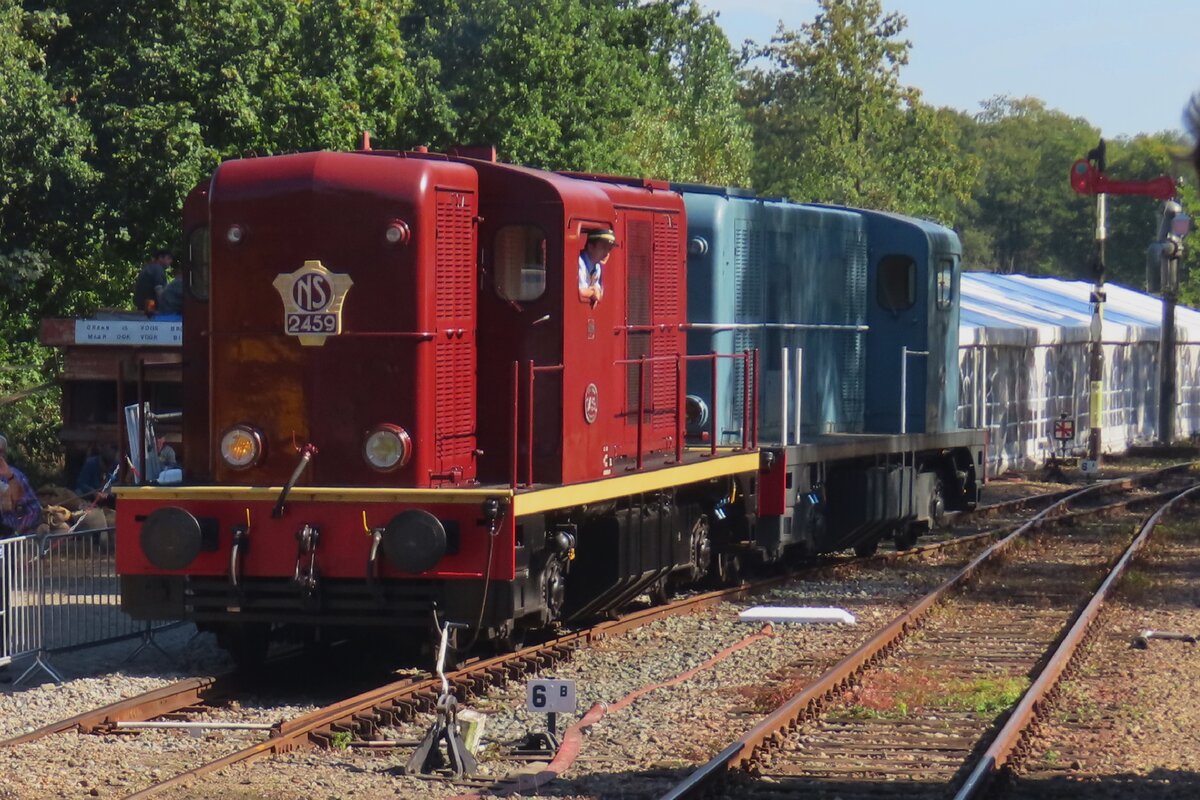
x=589, y=272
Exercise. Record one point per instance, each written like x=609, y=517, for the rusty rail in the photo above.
x=1016, y=729
x=771, y=731
x=145, y=706
x=405, y=698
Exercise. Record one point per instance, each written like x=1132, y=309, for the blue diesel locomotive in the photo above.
x=855, y=316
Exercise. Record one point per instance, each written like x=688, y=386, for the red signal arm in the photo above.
x=1086, y=179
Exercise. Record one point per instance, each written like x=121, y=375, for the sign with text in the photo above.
x=550, y=696
x=121, y=331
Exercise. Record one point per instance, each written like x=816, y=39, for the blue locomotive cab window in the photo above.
x=199, y=263
x=896, y=283
x=945, y=283
x=520, y=256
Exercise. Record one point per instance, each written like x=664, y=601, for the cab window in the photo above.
x=945, y=283
x=520, y=256
x=198, y=263
x=896, y=287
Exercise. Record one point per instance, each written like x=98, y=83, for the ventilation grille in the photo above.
x=748, y=308
x=454, y=268
x=639, y=263
x=454, y=306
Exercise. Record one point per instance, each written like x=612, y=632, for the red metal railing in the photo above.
x=750, y=378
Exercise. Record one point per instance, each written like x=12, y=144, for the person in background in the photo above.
x=600, y=244
x=166, y=453
x=20, y=510
x=94, y=475
x=171, y=301
x=151, y=281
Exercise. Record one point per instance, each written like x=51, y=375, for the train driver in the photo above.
x=600, y=243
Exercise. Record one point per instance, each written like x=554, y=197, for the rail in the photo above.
x=1010, y=736
x=771, y=729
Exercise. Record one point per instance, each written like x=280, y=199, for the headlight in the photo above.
x=242, y=447
x=387, y=447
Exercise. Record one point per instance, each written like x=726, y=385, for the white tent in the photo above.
x=1023, y=359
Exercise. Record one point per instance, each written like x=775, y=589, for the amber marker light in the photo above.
x=387, y=447
x=241, y=447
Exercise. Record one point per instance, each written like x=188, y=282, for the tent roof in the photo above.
x=1027, y=310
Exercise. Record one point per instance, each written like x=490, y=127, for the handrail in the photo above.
x=750, y=406
x=776, y=326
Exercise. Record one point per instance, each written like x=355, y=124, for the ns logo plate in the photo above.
x=312, y=302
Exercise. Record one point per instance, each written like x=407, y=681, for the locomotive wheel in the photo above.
x=729, y=569
x=512, y=641
x=554, y=588
x=867, y=548
x=659, y=592
x=701, y=548
x=937, y=501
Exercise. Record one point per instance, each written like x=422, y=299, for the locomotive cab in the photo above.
x=566, y=373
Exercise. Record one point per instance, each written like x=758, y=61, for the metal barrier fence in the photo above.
x=59, y=592
x=20, y=598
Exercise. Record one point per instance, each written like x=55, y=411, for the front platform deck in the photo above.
x=698, y=465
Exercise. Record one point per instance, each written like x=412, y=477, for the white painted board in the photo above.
x=798, y=614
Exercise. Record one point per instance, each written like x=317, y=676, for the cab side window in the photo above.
x=198, y=263
x=945, y=283
x=520, y=258
x=896, y=283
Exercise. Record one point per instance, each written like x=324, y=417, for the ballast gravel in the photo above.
x=636, y=752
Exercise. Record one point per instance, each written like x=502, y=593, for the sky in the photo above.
x=1126, y=67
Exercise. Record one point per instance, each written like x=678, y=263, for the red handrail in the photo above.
x=680, y=403
x=750, y=406
x=516, y=421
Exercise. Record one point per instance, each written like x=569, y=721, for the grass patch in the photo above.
x=1136, y=583
x=984, y=696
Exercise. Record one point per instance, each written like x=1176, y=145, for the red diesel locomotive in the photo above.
x=397, y=409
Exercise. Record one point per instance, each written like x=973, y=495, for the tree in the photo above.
x=614, y=87
x=43, y=173
x=1022, y=206
x=171, y=88
x=833, y=123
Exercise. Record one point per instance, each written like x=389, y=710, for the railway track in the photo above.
x=909, y=712
x=359, y=718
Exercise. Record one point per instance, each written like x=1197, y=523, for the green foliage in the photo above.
x=582, y=85
x=833, y=123
x=1023, y=215
x=171, y=88
x=43, y=174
